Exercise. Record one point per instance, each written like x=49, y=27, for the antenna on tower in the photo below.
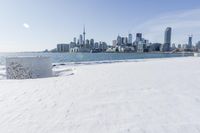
x=84, y=28
x=84, y=34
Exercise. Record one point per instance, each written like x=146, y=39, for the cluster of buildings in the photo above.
x=82, y=45
x=140, y=44
x=127, y=44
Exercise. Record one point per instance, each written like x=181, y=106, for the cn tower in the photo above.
x=84, y=34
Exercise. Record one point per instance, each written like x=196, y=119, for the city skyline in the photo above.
x=37, y=25
x=126, y=44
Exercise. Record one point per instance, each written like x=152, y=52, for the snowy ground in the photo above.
x=150, y=96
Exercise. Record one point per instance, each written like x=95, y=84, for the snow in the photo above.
x=197, y=54
x=152, y=96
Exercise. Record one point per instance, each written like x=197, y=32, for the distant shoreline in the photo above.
x=103, y=52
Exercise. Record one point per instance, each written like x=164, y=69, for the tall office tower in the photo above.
x=130, y=38
x=190, y=42
x=124, y=40
x=138, y=37
x=167, y=40
x=81, y=39
x=74, y=40
x=87, y=43
x=119, y=40
x=96, y=45
x=84, y=34
x=103, y=46
x=114, y=43
x=92, y=43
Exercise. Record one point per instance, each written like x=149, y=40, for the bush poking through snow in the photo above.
x=28, y=67
x=18, y=71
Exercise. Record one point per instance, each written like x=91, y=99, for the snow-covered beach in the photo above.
x=151, y=96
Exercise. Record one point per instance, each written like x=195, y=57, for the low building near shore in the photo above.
x=63, y=47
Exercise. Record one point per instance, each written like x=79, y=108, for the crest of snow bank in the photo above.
x=183, y=24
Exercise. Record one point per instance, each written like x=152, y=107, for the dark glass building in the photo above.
x=167, y=40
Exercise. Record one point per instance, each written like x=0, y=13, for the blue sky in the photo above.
x=30, y=25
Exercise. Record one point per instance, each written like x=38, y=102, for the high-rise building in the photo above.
x=92, y=43
x=119, y=40
x=87, y=43
x=96, y=45
x=141, y=46
x=81, y=39
x=102, y=46
x=75, y=40
x=167, y=40
x=190, y=42
x=114, y=43
x=130, y=38
x=124, y=40
x=138, y=37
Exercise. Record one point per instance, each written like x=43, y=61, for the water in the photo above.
x=85, y=57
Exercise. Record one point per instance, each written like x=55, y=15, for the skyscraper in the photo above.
x=119, y=40
x=81, y=39
x=130, y=38
x=190, y=42
x=114, y=43
x=87, y=43
x=124, y=40
x=167, y=40
x=138, y=37
x=92, y=43
x=74, y=40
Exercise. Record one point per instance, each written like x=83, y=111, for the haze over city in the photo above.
x=37, y=25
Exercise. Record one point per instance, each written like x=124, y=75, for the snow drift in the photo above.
x=152, y=96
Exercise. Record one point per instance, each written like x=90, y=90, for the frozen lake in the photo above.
x=85, y=57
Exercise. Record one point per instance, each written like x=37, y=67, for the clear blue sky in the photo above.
x=29, y=25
